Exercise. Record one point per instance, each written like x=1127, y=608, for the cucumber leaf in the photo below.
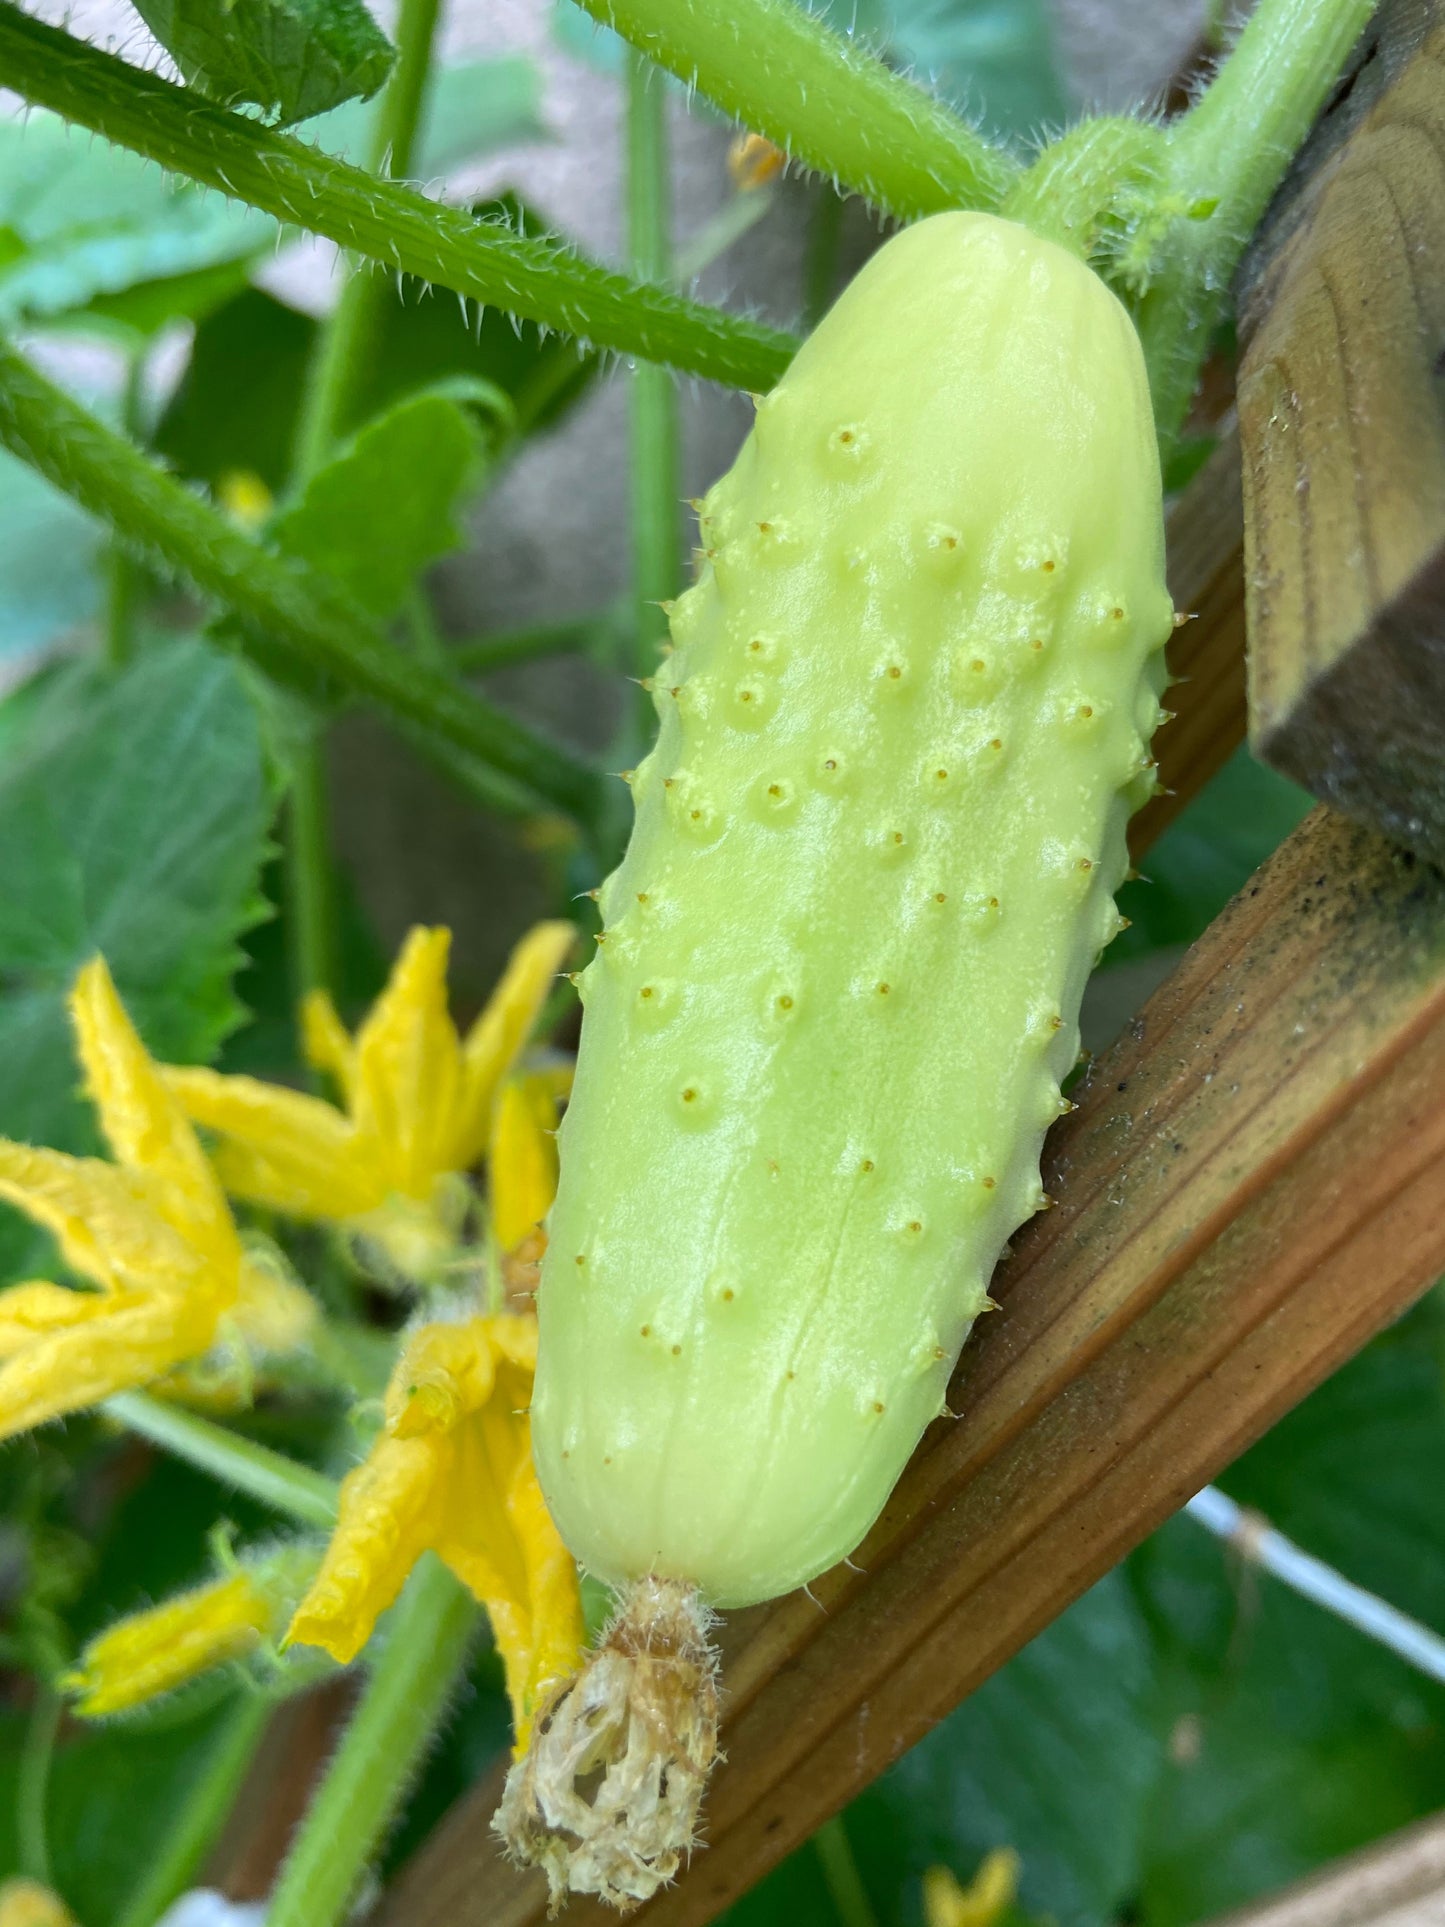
x=385, y=507
x=134, y=820
x=471, y=109
x=290, y=58
x=82, y=223
x=48, y=552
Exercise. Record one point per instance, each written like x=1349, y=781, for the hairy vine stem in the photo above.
x=409, y=1686
x=1223, y=162
x=538, y=279
x=833, y=106
x=284, y=609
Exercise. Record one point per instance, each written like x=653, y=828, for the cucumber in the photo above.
x=904, y=722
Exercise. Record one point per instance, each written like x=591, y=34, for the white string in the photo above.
x=1256, y=1540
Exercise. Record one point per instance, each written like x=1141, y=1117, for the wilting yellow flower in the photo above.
x=452, y=1471
x=151, y=1231
x=25, y=1903
x=753, y=161
x=982, y=1903
x=159, y=1649
x=419, y=1103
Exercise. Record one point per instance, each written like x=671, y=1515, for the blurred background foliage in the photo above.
x=1188, y=1734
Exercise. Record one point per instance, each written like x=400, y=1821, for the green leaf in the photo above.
x=471, y=109
x=133, y=821
x=48, y=554
x=385, y=507
x=1295, y=1738
x=993, y=60
x=113, y=1792
x=83, y=223
x=290, y=58
x=236, y=408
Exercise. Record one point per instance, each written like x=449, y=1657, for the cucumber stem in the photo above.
x=605, y=1800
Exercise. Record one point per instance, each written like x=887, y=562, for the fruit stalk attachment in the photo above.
x=606, y=1798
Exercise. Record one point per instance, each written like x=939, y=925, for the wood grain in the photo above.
x=1342, y=423
x=1250, y=1189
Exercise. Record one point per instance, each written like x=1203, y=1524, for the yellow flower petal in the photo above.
x=106, y=1223
x=143, y=1124
x=280, y=1147
x=985, y=1900
x=27, y=1311
x=496, y=1039
x=155, y=1651
x=325, y=1040
x=510, y=1555
x=452, y=1471
x=25, y=1903
x=136, y=1340
x=408, y=1068
x=442, y=1375
x=522, y=1159
x=386, y=1518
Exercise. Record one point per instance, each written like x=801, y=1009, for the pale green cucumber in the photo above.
x=874, y=859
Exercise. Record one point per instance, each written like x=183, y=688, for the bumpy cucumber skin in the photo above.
x=874, y=860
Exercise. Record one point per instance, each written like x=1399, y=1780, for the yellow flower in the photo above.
x=419, y=1103
x=25, y=1903
x=151, y=1231
x=982, y=1903
x=159, y=1649
x=452, y=1471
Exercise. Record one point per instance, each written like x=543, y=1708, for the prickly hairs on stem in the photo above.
x=606, y=1798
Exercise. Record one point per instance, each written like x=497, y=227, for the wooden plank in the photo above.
x=1342, y=422
x=1249, y=1190
x=1398, y=1882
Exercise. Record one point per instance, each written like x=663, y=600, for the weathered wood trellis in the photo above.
x=1254, y=1181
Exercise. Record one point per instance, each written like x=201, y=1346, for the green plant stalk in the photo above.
x=310, y=871
x=1085, y=188
x=290, y=610
x=345, y=344
x=392, y=224
x=123, y=576
x=1223, y=162
x=204, y=1811
x=33, y=1783
x=337, y=369
x=656, y=561
x=778, y=70
x=405, y=1698
x=840, y=1873
x=300, y=1493
x=573, y=636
